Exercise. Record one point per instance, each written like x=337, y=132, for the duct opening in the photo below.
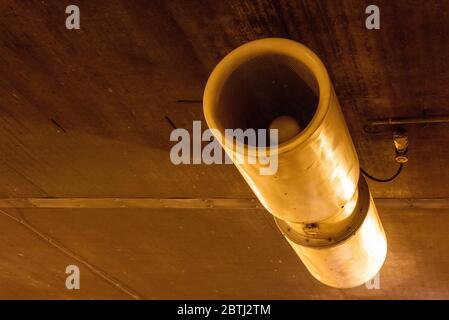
x=264, y=88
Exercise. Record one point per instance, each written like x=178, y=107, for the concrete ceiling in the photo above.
x=87, y=113
x=201, y=254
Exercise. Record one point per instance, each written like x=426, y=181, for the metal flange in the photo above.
x=329, y=233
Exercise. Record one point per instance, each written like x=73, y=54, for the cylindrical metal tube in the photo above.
x=320, y=202
x=342, y=254
x=318, y=169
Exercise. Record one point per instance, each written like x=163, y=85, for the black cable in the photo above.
x=383, y=180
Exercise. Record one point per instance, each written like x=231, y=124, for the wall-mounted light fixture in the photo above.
x=319, y=199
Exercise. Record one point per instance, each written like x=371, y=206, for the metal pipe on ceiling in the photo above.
x=408, y=120
x=319, y=199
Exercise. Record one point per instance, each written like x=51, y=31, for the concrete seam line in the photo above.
x=188, y=203
x=102, y=274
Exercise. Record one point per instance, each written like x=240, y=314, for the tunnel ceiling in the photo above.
x=88, y=113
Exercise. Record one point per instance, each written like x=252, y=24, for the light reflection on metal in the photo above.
x=317, y=194
x=344, y=253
